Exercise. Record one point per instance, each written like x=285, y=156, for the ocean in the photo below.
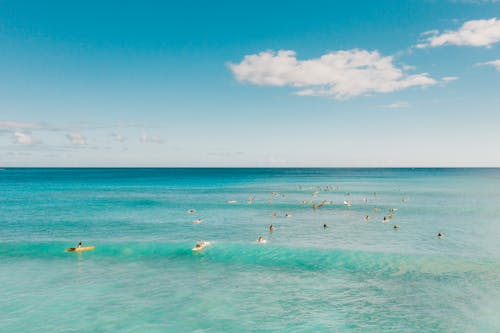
x=352, y=276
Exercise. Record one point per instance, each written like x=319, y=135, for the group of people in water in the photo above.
x=201, y=244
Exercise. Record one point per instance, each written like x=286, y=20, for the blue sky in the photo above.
x=291, y=83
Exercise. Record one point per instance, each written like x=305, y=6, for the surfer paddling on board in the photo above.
x=79, y=245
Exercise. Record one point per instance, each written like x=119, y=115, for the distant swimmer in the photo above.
x=198, y=221
x=390, y=216
x=396, y=226
x=366, y=218
x=384, y=220
x=261, y=240
x=440, y=235
x=191, y=211
x=347, y=203
x=325, y=226
x=288, y=215
x=274, y=215
x=200, y=245
x=271, y=228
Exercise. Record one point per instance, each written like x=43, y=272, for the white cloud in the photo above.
x=151, y=138
x=18, y=124
x=341, y=74
x=449, y=78
x=397, y=105
x=494, y=63
x=471, y=33
x=76, y=139
x=118, y=137
x=23, y=138
x=429, y=32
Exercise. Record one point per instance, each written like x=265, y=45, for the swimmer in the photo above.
x=384, y=220
x=191, y=211
x=347, y=203
x=390, y=216
x=440, y=235
x=200, y=245
x=274, y=215
x=288, y=215
x=261, y=240
x=271, y=228
x=198, y=221
x=325, y=226
x=366, y=218
x=396, y=226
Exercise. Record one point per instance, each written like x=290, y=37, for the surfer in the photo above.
x=79, y=245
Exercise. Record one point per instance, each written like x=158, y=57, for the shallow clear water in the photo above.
x=353, y=276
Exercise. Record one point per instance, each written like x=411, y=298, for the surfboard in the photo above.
x=80, y=249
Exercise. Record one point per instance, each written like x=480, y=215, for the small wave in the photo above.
x=268, y=256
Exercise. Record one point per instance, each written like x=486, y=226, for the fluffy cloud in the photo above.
x=18, y=124
x=471, y=33
x=23, y=138
x=397, y=105
x=341, y=74
x=494, y=63
x=118, y=137
x=76, y=139
x=151, y=139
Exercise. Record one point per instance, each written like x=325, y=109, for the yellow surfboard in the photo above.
x=80, y=249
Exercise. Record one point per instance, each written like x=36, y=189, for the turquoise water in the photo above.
x=353, y=276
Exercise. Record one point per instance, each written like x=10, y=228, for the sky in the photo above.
x=250, y=84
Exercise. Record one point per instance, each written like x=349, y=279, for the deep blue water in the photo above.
x=353, y=276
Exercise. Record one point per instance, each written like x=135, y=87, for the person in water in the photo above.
x=79, y=245
x=260, y=239
x=396, y=226
x=271, y=228
x=325, y=226
x=439, y=235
